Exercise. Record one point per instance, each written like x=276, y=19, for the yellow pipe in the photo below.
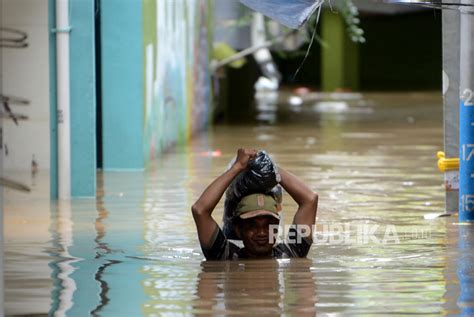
x=447, y=164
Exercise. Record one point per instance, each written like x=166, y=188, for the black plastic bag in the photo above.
x=261, y=177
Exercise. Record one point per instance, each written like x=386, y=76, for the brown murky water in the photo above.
x=133, y=251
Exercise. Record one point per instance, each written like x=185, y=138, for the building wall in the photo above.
x=25, y=74
x=121, y=61
x=153, y=74
x=177, y=38
x=82, y=84
x=402, y=52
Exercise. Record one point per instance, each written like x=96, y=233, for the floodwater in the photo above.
x=133, y=251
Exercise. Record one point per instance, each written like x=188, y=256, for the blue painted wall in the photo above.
x=83, y=98
x=122, y=84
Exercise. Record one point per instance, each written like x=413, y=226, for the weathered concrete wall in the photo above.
x=25, y=74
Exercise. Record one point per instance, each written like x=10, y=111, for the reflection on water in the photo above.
x=62, y=267
x=281, y=286
x=134, y=251
x=466, y=270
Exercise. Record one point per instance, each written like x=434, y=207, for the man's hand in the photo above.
x=203, y=207
x=244, y=156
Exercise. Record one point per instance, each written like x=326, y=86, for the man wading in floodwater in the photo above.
x=256, y=216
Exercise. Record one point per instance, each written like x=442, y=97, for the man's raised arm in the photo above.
x=306, y=199
x=202, y=209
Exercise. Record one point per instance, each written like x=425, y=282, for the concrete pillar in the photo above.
x=466, y=124
x=340, y=58
x=451, y=42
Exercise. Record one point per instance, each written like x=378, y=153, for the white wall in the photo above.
x=25, y=74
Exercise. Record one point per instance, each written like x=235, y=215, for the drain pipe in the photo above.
x=466, y=122
x=63, y=100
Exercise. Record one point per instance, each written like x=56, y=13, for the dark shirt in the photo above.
x=223, y=249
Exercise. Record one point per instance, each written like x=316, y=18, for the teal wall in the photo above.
x=122, y=84
x=83, y=98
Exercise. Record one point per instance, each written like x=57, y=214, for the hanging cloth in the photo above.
x=291, y=13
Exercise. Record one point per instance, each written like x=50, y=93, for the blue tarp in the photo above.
x=291, y=13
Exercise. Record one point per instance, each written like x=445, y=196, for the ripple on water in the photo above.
x=134, y=251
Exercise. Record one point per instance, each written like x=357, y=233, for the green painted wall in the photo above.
x=339, y=57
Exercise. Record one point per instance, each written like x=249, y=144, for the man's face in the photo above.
x=255, y=234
